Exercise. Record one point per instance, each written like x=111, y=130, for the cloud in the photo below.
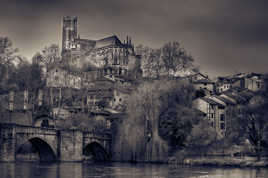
x=223, y=35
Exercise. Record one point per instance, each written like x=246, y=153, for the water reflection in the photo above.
x=117, y=170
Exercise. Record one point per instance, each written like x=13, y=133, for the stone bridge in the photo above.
x=53, y=144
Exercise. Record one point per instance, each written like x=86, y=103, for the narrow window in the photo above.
x=222, y=117
x=222, y=126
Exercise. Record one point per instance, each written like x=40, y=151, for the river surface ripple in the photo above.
x=122, y=170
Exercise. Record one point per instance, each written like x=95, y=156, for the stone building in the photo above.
x=214, y=111
x=110, y=54
x=58, y=77
x=254, y=82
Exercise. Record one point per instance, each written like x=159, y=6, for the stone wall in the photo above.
x=71, y=145
x=64, y=145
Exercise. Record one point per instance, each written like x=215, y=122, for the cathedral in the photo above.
x=109, y=53
x=85, y=59
x=103, y=69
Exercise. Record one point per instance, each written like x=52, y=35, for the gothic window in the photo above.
x=222, y=126
x=115, y=60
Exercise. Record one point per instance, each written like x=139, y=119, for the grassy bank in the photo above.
x=223, y=161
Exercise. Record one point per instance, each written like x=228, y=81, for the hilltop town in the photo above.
x=90, y=85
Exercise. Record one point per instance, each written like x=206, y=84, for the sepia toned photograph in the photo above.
x=133, y=89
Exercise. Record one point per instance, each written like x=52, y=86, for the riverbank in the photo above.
x=224, y=161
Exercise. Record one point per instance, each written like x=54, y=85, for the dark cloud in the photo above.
x=224, y=36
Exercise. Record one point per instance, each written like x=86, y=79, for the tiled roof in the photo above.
x=212, y=102
x=235, y=96
x=225, y=100
x=202, y=81
x=109, y=41
x=198, y=73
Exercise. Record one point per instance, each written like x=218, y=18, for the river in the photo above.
x=121, y=170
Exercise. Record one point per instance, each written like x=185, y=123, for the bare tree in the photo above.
x=251, y=122
x=175, y=58
x=7, y=54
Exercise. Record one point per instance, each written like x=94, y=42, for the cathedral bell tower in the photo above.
x=69, y=32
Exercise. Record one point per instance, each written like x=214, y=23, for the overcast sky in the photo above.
x=224, y=36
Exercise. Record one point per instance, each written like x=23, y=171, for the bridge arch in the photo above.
x=96, y=151
x=44, y=150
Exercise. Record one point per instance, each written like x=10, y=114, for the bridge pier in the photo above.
x=7, y=143
x=71, y=145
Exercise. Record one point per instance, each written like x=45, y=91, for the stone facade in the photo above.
x=215, y=113
x=105, y=53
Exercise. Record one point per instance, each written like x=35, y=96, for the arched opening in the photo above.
x=44, y=121
x=95, y=152
x=35, y=149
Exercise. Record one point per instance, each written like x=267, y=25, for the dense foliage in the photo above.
x=250, y=122
x=160, y=121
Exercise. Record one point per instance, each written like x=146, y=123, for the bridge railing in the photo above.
x=28, y=129
x=96, y=133
x=105, y=134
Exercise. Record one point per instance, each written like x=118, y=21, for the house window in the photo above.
x=222, y=116
x=222, y=126
x=258, y=85
x=120, y=99
x=211, y=115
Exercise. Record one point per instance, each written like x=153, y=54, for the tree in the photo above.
x=152, y=64
x=7, y=58
x=170, y=60
x=175, y=58
x=177, y=116
x=159, y=120
x=251, y=122
x=28, y=76
x=201, y=138
x=7, y=51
